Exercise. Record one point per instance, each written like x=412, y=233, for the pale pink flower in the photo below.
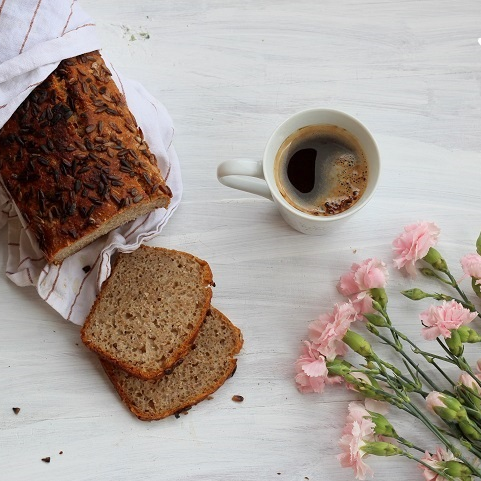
x=360, y=376
x=358, y=431
x=311, y=370
x=435, y=461
x=413, y=244
x=440, y=320
x=356, y=284
x=471, y=264
x=466, y=380
x=434, y=400
x=478, y=365
x=329, y=329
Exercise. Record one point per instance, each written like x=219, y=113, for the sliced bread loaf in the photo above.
x=149, y=310
x=203, y=370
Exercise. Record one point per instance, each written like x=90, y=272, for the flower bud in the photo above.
x=427, y=272
x=358, y=344
x=434, y=258
x=457, y=470
x=476, y=287
x=382, y=426
x=365, y=384
x=446, y=407
x=467, y=381
x=379, y=295
x=338, y=367
x=381, y=448
x=376, y=320
x=415, y=294
x=454, y=343
x=360, y=379
x=469, y=430
x=466, y=334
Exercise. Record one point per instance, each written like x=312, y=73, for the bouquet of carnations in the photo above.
x=448, y=405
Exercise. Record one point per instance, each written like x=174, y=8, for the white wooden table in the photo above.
x=229, y=72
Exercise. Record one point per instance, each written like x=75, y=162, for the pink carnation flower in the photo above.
x=471, y=264
x=434, y=400
x=413, y=244
x=356, y=284
x=311, y=370
x=357, y=413
x=466, y=380
x=361, y=377
x=358, y=431
x=435, y=461
x=329, y=329
x=440, y=320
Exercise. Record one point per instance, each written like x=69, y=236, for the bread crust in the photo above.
x=180, y=351
x=74, y=160
x=194, y=399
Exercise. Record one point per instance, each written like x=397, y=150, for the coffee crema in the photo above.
x=321, y=170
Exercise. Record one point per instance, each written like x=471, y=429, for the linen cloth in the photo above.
x=35, y=35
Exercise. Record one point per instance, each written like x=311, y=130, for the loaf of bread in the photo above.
x=149, y=310
x=204, y=369
x=74, y=161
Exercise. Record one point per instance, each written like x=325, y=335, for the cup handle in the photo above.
x=235, y=173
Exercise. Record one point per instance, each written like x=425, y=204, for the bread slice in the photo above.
x=149, y=310
x=204, y=369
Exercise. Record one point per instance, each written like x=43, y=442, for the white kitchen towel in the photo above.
x=35, y=35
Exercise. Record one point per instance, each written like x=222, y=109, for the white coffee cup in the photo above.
x=258, y=177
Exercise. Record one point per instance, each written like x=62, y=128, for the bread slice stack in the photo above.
x=161, y=343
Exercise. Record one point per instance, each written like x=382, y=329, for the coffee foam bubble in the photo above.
x=340, y=173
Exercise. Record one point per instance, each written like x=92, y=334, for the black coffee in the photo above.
x=321, y=170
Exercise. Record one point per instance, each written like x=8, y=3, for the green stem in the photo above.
x=460, y=437
x=411, y=387
x=459, y=362
x=427, y=355
x=420, y=415
x=404, y=405
x=456, y=452
x=431, y=468
x=417, y=350
x=401, y=351
x=454, y=359
x=460, y=291
x=409, y=444
x=468, y=392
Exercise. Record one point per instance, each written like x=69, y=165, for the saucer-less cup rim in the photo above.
x=238, y=173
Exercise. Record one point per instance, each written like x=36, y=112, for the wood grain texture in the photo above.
x=229, y=72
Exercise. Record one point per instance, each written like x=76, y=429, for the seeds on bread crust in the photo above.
x=65, y=131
